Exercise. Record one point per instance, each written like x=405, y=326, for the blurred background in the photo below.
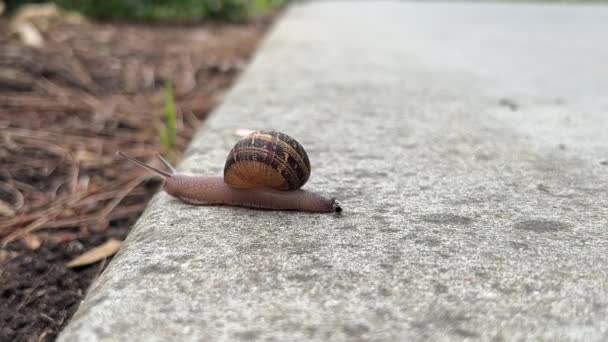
x=80, y=80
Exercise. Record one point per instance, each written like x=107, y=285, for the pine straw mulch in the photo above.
x=65, y=109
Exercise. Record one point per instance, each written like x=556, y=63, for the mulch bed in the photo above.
x=65, y=109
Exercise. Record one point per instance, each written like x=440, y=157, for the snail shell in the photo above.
x=267, y=159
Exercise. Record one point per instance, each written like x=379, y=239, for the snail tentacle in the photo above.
x=166, y=163
x=146, y=166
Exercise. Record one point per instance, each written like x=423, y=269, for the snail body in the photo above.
x=264, y=170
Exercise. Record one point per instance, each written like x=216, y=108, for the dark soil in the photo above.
x=65, y=109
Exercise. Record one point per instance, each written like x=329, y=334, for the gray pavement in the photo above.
x=468, y=144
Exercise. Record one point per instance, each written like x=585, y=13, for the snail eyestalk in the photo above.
x=166, y=163
x=146, y=166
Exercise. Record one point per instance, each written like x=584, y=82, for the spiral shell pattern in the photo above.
x=267, y=159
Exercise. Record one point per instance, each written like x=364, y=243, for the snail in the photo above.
x=264, y=170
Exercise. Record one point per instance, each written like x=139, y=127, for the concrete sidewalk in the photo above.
x=468, y=144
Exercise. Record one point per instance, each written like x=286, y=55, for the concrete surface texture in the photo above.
x=468, y=146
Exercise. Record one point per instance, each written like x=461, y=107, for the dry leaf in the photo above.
x=31, y=241
x=32, y=12
x=86, y=158
x=242, y=132
x=6, y=210
x=29, y=34
x=98, y=253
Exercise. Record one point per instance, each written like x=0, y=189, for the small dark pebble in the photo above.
x=509, y=104
x=542, y=187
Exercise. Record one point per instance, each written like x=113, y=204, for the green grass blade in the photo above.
x=170, y=116
x=162, y=134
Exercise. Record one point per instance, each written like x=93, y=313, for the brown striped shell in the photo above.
x=267, y=159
